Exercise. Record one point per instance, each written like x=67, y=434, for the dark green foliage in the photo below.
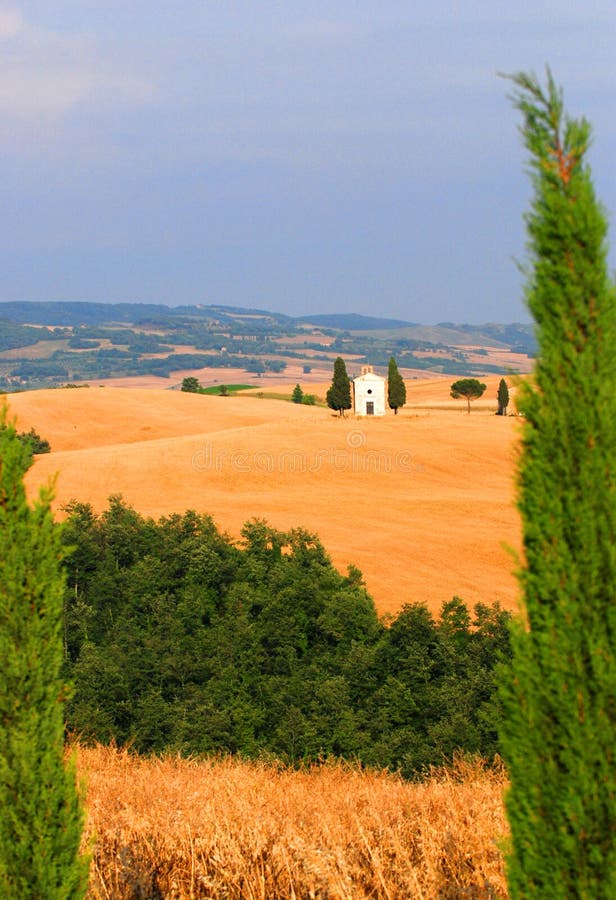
x=190, y=385
x=339, y=394
x=40, y=368
x=146, y=343
x=503, y=398
x=396, y=389
x=309, y=399
x=81, y=343
x=298, y=395
x=275, y=365
x=13, y=335
x=36, y=443
x=469, y=388
x=178, y=639
x=31, y=440
x=41, y=818
x=559, y=734
x=225, y=389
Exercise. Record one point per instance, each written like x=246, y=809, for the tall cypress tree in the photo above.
x=559, y=733
x=502, y=396
x=40, y=813
x=339, y=394
x=396, y=388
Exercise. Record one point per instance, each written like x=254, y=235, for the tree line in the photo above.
x=177, y=638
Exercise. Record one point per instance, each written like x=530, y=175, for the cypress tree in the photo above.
x=339, y=394
x=503, y=398
x=298, y=395
x=559, y=732
x=396, y=389
x=41, y=817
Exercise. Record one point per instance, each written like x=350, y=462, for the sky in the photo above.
x=324, y=156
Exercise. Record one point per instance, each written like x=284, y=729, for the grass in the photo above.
x=271, y=395
x=215, y=388
x=288, y=397
x=170, y=827
x=40, y=350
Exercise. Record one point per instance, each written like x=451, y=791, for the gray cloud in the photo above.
x=46, y=73
x=299, y=155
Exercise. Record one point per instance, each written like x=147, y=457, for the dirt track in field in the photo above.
x=421, y=502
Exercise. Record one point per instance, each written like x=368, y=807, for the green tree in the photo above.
x=396, y=389
x=256, y=366
x=178, y=639
x=503, y=398
x=469, y=388
x=36, y=443
x=559, y=732
x=298, y=395
x=190, y=385
x=41, y=819
x=339, y=394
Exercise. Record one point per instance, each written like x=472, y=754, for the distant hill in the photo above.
x=52, y=312
x=517, y=336
x=45, y=343
x=75, y=313
x=78, y=313
x=353, y=322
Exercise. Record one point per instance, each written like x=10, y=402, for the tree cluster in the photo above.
x=191, y=385
x=31, y=440
x=298, y=396
x=178, y=639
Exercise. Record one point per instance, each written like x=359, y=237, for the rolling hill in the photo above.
x=422, y=502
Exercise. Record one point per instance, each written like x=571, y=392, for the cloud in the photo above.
x=45, y=74
x=11, y=23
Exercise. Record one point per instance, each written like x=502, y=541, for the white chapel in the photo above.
x=369, y=393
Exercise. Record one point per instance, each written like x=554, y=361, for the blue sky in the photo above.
x=298, y=156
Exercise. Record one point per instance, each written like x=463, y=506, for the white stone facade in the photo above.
x=369, y=393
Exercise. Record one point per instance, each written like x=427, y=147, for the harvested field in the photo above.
x=421, y=502
x=218, y=375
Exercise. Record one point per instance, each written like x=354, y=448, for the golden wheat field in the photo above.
x=421, y=502
x=248, y=831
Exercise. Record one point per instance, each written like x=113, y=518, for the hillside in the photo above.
x=49, y=344
x=422, y=502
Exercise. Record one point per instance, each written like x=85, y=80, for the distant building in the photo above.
x=369, y=393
